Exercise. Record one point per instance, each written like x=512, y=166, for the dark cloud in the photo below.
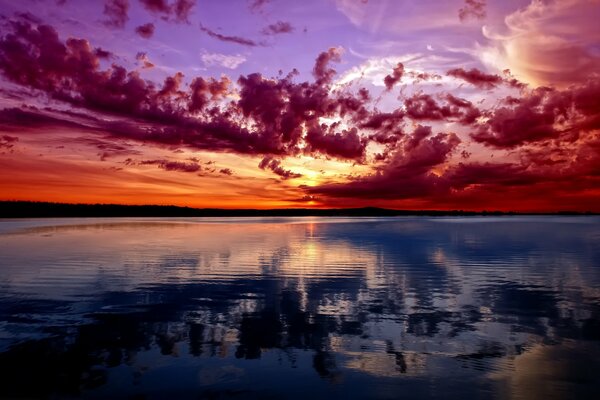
x=476, y=78
x=179, y=166
x=204, y=91
x=346, y=144
x=550, y=160
x=269, y=118
x=278, y=28
x=423, y=76
x=231, y=39
x=146, y=31
x=101, y=53
x=19, y=119
x=543, y=114
x=7, y=141
x=511, y=81
x=464, y=175
x=408, y=174
x=143, y=59
x=423, y=107
x=275, y=166
x=106, y=148
x=178, y=11
x=156, y=6
x=322, y=73
x=117, y=12
x=182, y=9
x=394, y=77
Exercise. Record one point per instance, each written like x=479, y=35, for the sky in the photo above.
x=406, y=104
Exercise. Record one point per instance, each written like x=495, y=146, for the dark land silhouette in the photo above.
x=32, y=209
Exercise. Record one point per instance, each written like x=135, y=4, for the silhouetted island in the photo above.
x=31, y=209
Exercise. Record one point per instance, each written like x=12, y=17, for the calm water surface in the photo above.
x=278, y=308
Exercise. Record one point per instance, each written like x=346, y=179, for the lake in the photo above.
x=296, y=308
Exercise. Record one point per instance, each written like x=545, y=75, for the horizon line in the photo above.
x=48, y=209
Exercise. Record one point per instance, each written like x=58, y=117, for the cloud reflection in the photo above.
x=363, y=306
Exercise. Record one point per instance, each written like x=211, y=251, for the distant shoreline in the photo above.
x=31, y=209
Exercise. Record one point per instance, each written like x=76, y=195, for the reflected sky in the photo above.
x=292, y=307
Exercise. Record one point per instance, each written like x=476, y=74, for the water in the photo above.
x=300, y=308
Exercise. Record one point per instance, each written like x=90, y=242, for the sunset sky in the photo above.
x=408, y=104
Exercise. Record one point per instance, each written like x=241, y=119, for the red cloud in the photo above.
x=146, y=31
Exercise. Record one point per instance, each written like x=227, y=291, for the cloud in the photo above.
x=178, y=166
x=268, y=119
x=552, y=133
x=383, y=16
x=178, y=11
x=223, y=60
x=182, y=9
x=543, y=44
x=423, y=107
x=143, y=59
x=346, y=144
x=321, y=70
x=146, y=31
x=394, y=77
x=373, y=71
x=204, y=91
x=7, y=141
x=231, y=39
x=464, y=175
x=257, y=5
x=541, y=115
x=117, y=12
x=472, y=9
x=476, y=78
x=408, y=174
x=156, y=6
x=275, y=166
x=278, y=28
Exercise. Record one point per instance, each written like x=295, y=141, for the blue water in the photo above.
x=277, y=308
